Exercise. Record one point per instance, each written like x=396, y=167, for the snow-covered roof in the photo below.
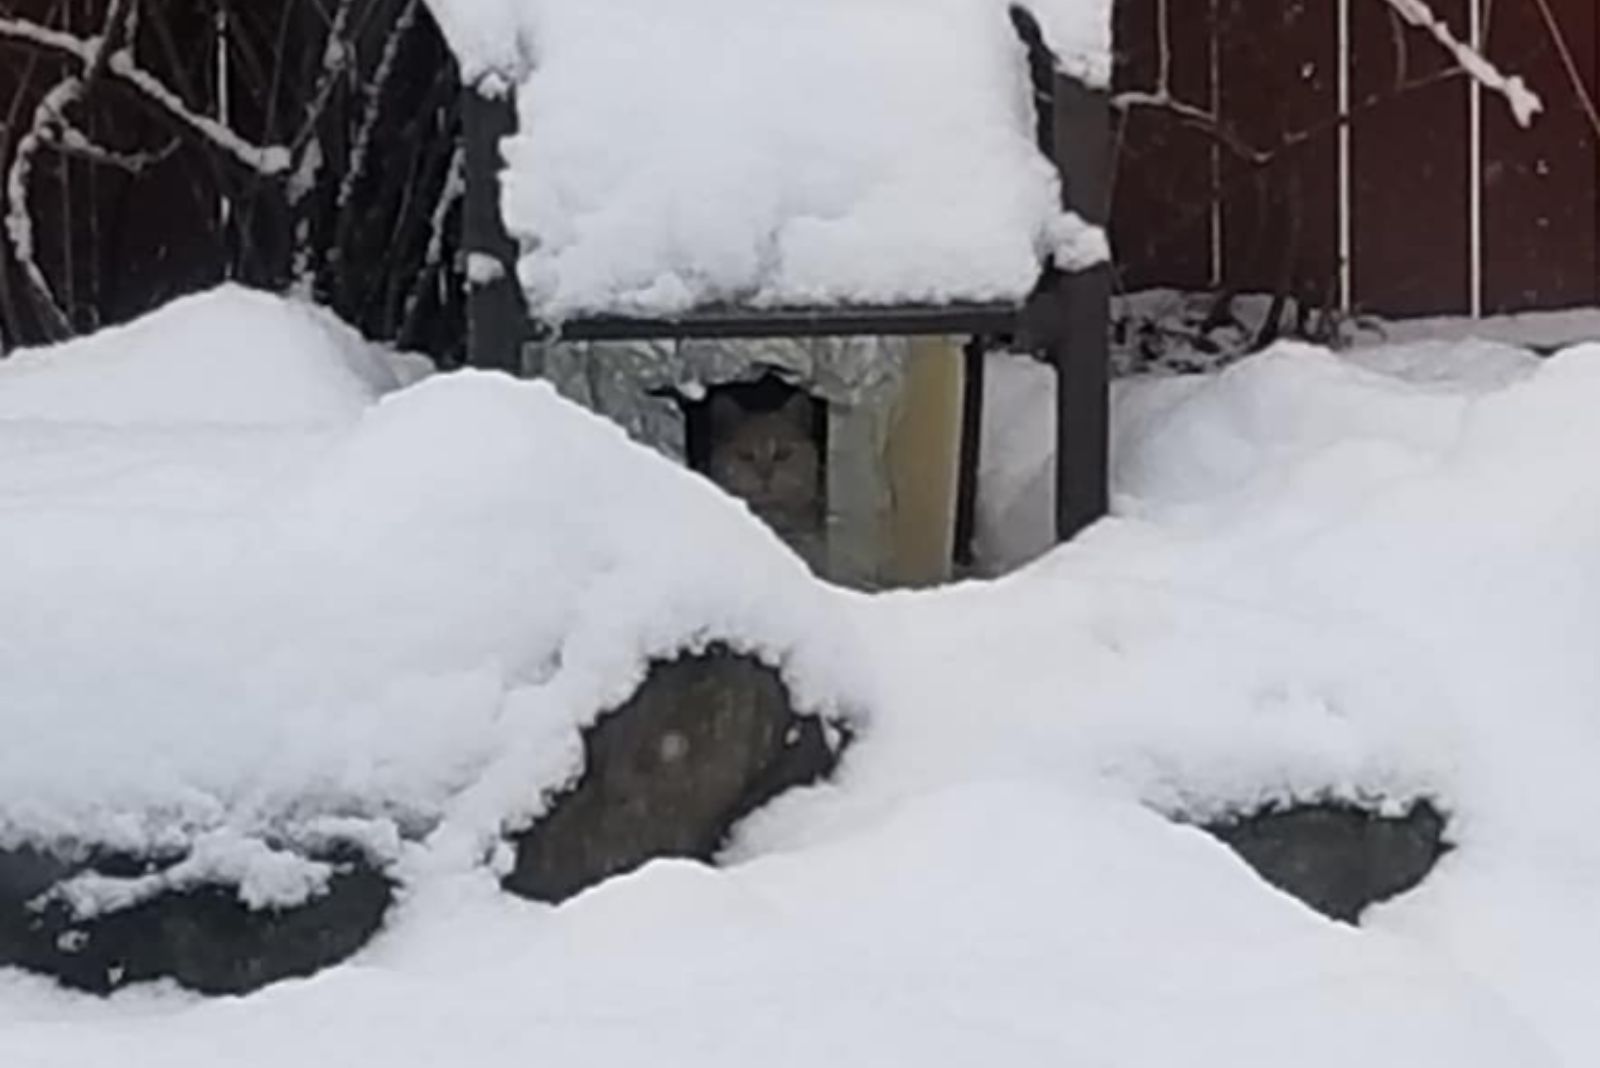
x=770, y=152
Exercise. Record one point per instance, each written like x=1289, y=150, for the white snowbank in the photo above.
x=1377, y=574
x=767, y=152
x=1003, y=925
x=232, y=356
x=242, y=618
x=1373, y=579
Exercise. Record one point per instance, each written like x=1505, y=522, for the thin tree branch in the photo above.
x=267, y=160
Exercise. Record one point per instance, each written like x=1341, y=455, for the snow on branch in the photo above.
x=18, y=221
x=1524, y=102
x=269, y=160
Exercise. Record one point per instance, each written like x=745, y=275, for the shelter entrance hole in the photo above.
x=766, y=443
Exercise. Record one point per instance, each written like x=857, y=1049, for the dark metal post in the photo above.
x=976, y=356
x=495, y=313
x=1079, y=346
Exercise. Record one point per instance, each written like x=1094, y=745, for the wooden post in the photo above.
x=1079, y=312
x=496, y=318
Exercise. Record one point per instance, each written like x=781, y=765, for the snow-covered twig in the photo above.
x=80, y=48
x=337, y=56
x=72, y=141
x=268, y=160
x=345, y=188
x=18, y=219
x=455, y=186
x=372, y=108
x=1524, y=102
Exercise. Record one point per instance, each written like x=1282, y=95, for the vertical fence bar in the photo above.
x=1346, y=200
x=1219, y=266
x=1475, y=33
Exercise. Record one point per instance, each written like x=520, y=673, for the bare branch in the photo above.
x=18, y=220
x=1591, y=110
x=72, y=141
x=373, y=107
x=268, y=160
x=455, y=186
x=1524, y=102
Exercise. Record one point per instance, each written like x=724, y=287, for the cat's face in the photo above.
x=768, y=459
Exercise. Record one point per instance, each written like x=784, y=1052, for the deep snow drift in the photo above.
x=1373, y=578
x=249, y=591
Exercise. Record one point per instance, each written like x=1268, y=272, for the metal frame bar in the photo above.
x=496, y=315
x=898, y=321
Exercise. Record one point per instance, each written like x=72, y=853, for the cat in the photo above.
x=770, y=460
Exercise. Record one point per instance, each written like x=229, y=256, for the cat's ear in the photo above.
x=725, y=413
x=797, y=409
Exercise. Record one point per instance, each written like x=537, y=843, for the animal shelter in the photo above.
x=782, y=264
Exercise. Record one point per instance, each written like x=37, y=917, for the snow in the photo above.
x=763, y=152
x=243, y=575
x=486, y=37
x=265, y=877
x=494, y=39
x=233, y=357
x=1544, y=330
x=1361, y=577
x=1079, y=33
x=483, y=269
x=944, y=935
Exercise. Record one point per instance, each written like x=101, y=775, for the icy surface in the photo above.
x=1370, y=577
x=767, y=152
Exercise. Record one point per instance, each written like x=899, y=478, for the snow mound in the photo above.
x=1015, y=925
x=1369, y=578
x=230, y=355
x=249, y=620
x=766, y=152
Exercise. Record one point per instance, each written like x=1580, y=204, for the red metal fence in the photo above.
x=1235, y=171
